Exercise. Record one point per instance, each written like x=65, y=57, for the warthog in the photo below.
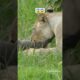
x=47, y=26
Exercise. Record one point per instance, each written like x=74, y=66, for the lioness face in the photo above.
x=42, y=30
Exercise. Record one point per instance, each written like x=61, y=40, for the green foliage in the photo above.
x=56, y=4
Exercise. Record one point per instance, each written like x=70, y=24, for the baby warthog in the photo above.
x=46, y=27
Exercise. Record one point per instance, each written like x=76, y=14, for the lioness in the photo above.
x=47, y=26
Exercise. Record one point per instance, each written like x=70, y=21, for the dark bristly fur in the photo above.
x=26, y=44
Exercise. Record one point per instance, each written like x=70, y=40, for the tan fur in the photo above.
x=47, y=26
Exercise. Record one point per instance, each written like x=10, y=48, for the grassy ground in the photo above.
x=39, y=67
x=35, y=67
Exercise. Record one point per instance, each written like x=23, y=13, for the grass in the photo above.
x=35, y=67
x=39, y=67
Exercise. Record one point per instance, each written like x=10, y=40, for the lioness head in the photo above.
x=42, y=30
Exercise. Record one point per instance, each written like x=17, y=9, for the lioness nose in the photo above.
x=33, y=41
x=33, y=38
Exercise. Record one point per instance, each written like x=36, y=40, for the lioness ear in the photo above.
x=42, y=17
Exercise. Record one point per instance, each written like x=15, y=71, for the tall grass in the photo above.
x=39, y=67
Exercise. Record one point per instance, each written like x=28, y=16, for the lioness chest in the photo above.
x=55, y=21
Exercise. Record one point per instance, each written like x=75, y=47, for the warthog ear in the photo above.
x=42, y=17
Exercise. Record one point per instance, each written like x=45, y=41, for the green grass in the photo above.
x=39, y=67
x=35, y=67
